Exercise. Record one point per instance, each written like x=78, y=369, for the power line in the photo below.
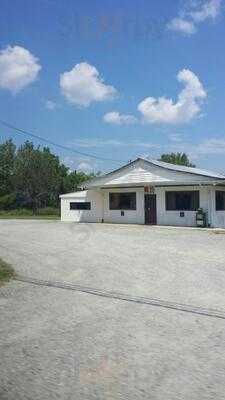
x=23, y=132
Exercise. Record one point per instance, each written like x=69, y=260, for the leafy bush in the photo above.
x=17, y=212
x=48, y=211
x=7, y=201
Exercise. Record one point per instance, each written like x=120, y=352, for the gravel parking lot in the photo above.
x=177, y=264
x=56, y=343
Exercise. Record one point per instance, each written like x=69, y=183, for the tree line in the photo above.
x=33, y=177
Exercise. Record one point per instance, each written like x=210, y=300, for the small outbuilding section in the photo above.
x=149, y=192
x=82, y=206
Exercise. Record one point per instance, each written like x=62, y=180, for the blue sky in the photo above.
x=116, y=79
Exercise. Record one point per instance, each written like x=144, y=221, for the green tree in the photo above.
x=177, y=158
x=34, y=177
x=74, y=179
x=7, y=159
x=37, y=176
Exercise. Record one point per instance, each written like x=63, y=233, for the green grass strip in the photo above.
x=6, y=272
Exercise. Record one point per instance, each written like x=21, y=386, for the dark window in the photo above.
x=80, y=206
x=187, y=201
x=122, y=201
x=220, y=200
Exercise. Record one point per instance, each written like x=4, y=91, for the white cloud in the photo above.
x=114, y=117
x=201, y=150
x=50, y=105
x=207, y=9
x=211, y=146
x=98, y=142
x=85, y=166
x=164, y=110
x=182, y=25
x=176, y=137
x=194, y=14
x=18, y=68
x=83, y=85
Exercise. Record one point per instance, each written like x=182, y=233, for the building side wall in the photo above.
x=165, y=217
x=219, y=221
x=130, y=216
x=218, y=217
x=95, y=214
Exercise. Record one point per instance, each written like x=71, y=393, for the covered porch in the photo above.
x=162, y=205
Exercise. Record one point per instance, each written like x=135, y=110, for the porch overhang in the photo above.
x=155, y=184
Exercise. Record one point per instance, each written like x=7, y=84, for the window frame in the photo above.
x=119, y=208
x=177, y=192
x=80, y=203
x=217, y=192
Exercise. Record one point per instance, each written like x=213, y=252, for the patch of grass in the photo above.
x=49, y=211
x=6, y=272
x=9, y=216
x=24, y=213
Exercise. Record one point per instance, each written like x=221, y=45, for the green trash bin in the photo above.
x=201, y=218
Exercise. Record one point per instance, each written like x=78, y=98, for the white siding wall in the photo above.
x=100, y=208
x=93, y=215
x=219, y=221
x=218, y=217
x=130, y=216
x=165, y=217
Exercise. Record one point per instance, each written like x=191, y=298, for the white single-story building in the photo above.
x=149, y=192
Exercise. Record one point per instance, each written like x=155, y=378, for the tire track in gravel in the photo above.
x=209, y=312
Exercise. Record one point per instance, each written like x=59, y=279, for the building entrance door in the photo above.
x=150, y=209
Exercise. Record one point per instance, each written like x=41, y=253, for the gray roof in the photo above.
x=78, y=194
x=144, y=171
x=182, y=168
